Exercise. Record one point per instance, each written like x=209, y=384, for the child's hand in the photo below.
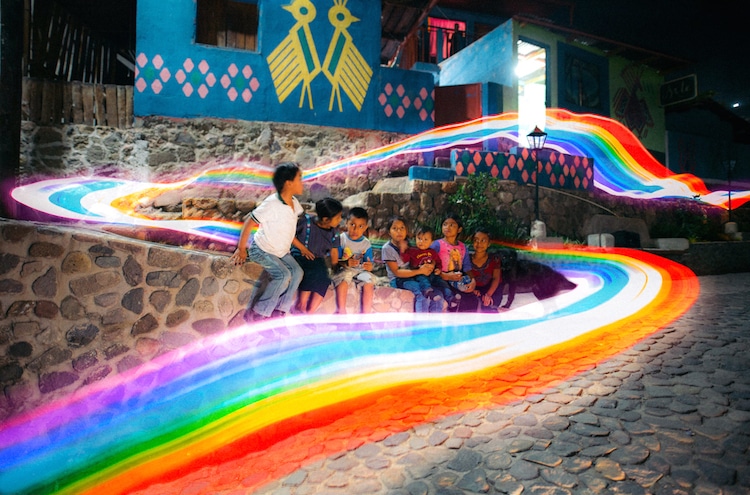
x=239, y=256
x=426, y=268
x=367, y=265
x=307, y=253
x=486, y=299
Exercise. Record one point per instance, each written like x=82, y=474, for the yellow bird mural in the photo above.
x=344, y=65
x=295, y=60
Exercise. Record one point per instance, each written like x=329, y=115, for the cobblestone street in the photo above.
x=669, y=416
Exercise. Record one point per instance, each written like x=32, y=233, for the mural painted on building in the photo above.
x=629, y=104
x=316, y=62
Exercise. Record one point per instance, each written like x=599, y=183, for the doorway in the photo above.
x=531, y=71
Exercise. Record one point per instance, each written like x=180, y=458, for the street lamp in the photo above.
x=536, y=138
x=730, y=227
x=729, y=165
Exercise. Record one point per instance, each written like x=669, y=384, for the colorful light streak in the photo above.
x=257, y=402
x=623, y=167
x=269, y=398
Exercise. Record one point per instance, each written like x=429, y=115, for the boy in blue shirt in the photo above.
x=355, y=261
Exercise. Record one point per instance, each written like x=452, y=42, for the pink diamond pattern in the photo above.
x=142, y=59
x=400, y=90
x=247, y=95
x=232, y=94
x=203, y=66
x=423, y=114
x=158, y=61
x=202, y=90
x=388, y=89
x=254, y=84
x=156, y=86
x=211, y=79
x=225, y=81
x=164, y=74
x=247, y=71
x=400, y=112
x=233, y=70
x=180, y=76
x=188, y=65
x=140, y=84
x=187, y=89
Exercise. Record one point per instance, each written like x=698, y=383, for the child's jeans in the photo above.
x=422, y=303
x=284, y=275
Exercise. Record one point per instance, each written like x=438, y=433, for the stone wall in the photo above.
x=163, y=150
x=159, y=149
x=78, y=305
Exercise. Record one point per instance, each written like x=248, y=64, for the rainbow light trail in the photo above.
x=257, y=402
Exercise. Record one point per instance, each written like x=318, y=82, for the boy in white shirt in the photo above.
x=276, y=219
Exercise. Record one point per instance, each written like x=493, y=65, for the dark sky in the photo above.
x=712, y=34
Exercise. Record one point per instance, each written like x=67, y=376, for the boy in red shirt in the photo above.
x=424, y=254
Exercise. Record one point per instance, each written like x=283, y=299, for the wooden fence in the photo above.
x=55, y=103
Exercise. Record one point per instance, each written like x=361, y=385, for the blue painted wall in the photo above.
x=178, y=78
x=495, y=53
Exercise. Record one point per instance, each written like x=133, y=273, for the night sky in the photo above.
x=712, y=34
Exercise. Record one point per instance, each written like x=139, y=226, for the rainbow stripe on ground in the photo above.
x=257, y=402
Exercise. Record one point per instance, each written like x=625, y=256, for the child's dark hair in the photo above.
x=425, y=229
x=284, y=173
x=484, y=230
x=455, y=218
x=328, y=207
x=394, y=219
x=359, y=212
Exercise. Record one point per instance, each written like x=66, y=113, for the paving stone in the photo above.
x=508, y=486
x=475, y=481
x=559, y=478
x=543, y=458
x=609, y=469
x=523, y=470
x=465, y=460
x=716, y=473
x=498, y=460
x=630, y=454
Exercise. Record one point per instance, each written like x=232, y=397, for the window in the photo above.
x=446, y=37
x=227, y=23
